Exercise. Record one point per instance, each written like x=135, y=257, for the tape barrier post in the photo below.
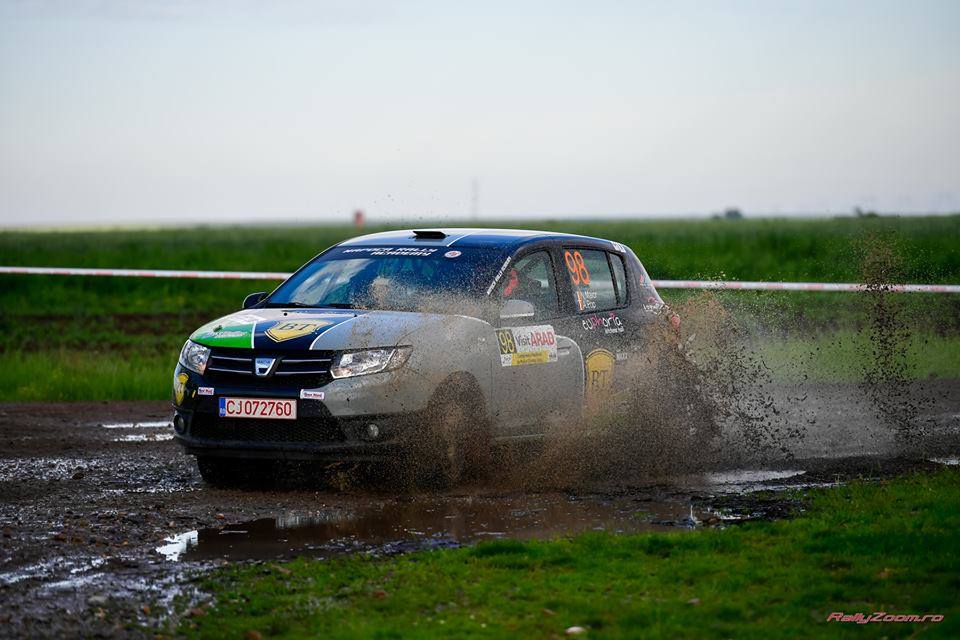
x=734, y=285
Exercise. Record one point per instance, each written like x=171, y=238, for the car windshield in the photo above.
x=435, y=279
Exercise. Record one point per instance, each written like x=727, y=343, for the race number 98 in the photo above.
x=506, y=341
x=579, y=274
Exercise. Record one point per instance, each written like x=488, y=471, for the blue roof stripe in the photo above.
x=461, y=237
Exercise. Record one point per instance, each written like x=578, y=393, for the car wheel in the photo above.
x=235, y=472
x=456, y=442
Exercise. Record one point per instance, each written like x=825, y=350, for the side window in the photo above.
x=591, y=279
x=619, y=278
x=531, y=279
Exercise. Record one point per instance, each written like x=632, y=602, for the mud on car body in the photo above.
x=438, y=341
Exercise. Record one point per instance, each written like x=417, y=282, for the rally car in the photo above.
x=439, y=342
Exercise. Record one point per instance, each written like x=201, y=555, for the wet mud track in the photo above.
x=104, y=521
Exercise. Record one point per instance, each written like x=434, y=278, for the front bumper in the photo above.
x=316, y=434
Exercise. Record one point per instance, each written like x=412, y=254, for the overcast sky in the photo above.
x=210, y=111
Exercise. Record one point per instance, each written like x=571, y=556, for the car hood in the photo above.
x=328, y=329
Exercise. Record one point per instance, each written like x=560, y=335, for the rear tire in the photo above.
x=236, y=472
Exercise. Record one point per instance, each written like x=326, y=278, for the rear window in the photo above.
x=591, y=279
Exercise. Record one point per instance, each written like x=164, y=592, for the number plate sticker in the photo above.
x=262, y=408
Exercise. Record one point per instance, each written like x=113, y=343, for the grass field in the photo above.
x=891, y=547
x=87, y=337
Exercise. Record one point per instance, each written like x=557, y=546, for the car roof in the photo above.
x=464, y=237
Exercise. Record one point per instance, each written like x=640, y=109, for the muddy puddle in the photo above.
x=402, y=525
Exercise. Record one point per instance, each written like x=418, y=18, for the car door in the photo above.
x=599, y=298
x=535, y=373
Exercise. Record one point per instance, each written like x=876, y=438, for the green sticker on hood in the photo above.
x=231, y=331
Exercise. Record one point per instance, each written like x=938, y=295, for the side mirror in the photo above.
x=514, y=309
x=253, y=299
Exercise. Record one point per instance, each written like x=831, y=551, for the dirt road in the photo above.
x=105, y=523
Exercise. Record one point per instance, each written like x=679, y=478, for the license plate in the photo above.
x=263, y=408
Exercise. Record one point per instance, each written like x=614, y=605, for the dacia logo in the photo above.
x=290, y=329
x=263, y=366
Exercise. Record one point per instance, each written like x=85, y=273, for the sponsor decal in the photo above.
x=233, y=331
x=599, y=376
x=415, y=252
x=239, y=319
x=611, y=323
x=180, y=387
x=290, y=329
x=617, y=247
x=219, y=335
x=527, y=345
x=452, y=254
x=499, y=275
x=311, y=394
x=205, y=391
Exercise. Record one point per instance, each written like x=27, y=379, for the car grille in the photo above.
x=293, y=368
x=311, y=430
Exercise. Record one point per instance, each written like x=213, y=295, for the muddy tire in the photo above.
x=454, y=443
x=235, y=472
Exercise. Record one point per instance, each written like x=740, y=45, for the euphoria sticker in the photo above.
x=527, y=345
x=205, y=391
x=611, y=323
x=311, y=394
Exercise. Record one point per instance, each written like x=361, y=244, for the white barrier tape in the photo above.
x=804, y=286
x=660, y=284
x=148, y=273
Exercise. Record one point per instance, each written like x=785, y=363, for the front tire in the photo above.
x=455, y=441
x=236, y=472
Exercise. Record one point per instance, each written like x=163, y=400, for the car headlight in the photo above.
x=358, y=363
x=194, y=356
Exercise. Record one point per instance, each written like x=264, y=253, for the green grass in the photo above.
x=845, y=356
x=891, y=547
x=65, y=375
